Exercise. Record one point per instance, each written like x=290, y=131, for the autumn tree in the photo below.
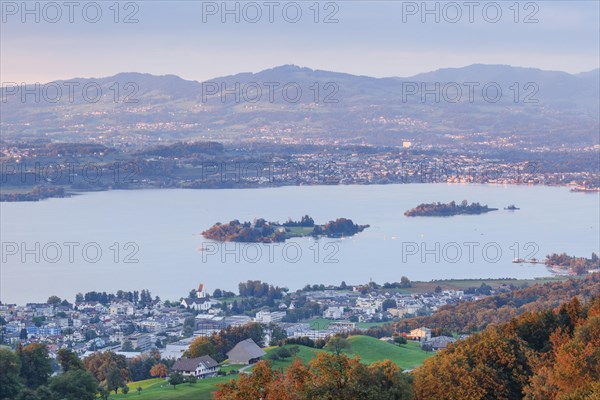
x=572, y=369
x=254, y=386
x=100, y=364
x=327, y=377
x=547, y=355
x=492, y=364
x=201, y=346
x=385, y=380
x=159, y=370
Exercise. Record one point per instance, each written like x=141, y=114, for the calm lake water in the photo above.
x=160, y=229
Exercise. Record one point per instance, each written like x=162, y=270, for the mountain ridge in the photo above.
x=293, y=67
x=545, y=107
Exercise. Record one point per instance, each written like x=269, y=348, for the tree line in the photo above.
x=141, y=298
x=474, y=316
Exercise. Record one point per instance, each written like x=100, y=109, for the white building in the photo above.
x=266, y=317
x=175, y=350
x=315, y=334
x=121, y=307
x=198, y=304
x=201, y=367
x=334, y=313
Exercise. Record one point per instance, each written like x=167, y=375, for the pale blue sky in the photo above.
x=369, y=39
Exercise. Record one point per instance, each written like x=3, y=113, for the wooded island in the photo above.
x=262, y=231
x=445, y=210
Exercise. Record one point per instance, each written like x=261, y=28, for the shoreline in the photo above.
x=420, y=286
x=78, y=192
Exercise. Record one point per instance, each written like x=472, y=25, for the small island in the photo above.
x=261, y=231
x=445, y=210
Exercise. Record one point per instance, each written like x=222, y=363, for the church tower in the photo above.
x=201, y=293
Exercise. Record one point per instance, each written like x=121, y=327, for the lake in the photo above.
x=150, y=239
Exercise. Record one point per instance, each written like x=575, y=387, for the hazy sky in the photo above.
x=376, y=38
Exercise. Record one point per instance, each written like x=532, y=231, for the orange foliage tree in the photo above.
x=327, y=377
x=159, y=370
x=548, y=355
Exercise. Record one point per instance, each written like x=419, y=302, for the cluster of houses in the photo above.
x=383, y=305
x=130, y=329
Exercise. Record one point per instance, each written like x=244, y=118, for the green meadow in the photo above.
x=369, y=350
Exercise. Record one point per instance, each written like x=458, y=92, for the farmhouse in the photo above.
x=245, y=352
x=200, y=367
x=438, y=342
x=420, y=334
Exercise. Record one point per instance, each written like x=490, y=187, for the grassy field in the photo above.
x=298, y=231
x=230, y=367
x=369, y=349
x=319, y=323
x=323, y=323
x=159, y=389
x=305, y=354
x=366, y=325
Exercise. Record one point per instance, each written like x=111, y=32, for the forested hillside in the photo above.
x=473, y=316
x=545, y=355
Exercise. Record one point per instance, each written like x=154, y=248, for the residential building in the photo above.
x=200, y=367
x=121, y=307
x=420, y=334
x=438, y=342
x=334, y=313
x=342, y=326
x=140, y=341
x=266, y=317
x=174, y=350
x=315, y=334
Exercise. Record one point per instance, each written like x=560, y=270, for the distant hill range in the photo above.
x=535, y=107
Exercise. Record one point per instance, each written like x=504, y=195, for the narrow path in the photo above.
x=245, y=368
